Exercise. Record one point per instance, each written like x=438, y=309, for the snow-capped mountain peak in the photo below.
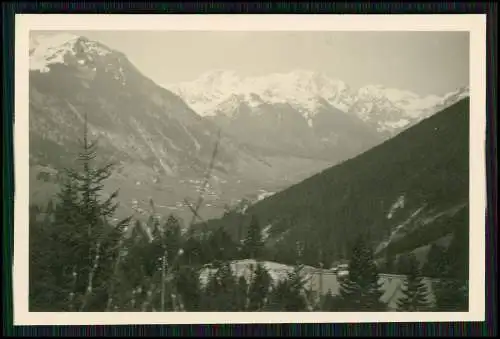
x=388, y=109
x=46, y=50
x=302, y=89
x=219, y=76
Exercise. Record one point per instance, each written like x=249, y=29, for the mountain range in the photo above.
x=274, y=130
x=387, y=110
x=313, y=114
x=162, y=148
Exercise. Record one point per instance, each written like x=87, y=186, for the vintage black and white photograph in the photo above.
x=249, y=170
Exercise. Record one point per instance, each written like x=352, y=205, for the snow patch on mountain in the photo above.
x=264, y=195
x=46, y=50
x=265, y=233
x=401, y=229
x=51, y=49
x=400, y=203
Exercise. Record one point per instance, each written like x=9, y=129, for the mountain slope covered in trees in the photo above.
x=405, y=193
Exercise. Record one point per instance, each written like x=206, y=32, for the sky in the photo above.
x=423, y=62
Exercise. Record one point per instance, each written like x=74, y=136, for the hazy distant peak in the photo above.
x=218, y=73
x=300, y=88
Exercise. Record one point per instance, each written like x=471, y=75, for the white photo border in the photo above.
x=475, y=24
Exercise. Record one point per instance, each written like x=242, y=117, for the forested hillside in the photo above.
x=405, y=193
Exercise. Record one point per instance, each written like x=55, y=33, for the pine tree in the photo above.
x=278, y=297
x=188, y=286
x=296, y=282
x=288, y=294
x=403, y=264
x=259, y=288
x=361, y=290
x=43, y=288
x=452, y=295
x=50, y=207
x=241, y=294
x=452, y=289
x=253, y=243
x=330, y=303
x=221, y=246
x=140, y=267
x=208, y=295
x=415, y=293
x=221, y=289
x=192, y=252
x=389, y=263
x=435, y=265
x=173, y=238
x=83, y=243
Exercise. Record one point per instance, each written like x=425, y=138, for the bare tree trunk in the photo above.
x=73, y=286
x=91, y=278
x=149, y=297
x=112, y=282
x=163, y=276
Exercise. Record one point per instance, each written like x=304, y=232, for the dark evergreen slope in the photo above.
x=405, y=193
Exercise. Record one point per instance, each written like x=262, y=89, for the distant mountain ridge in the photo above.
x=387, y=110
x=161, y=146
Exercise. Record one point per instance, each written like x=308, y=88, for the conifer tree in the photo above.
x=259, y=288
x=361, y=290
x=192, y=252
x=330, y=303
x=241, y=294
x=133, y=272
x=221, y=246
x=220, y=292
x=84, y=244
x=435, y=264
x=43, y=289
x=404, y=264
x=452, y=288
x=389, y=263
x=277, y=297
x=253, y=243
x=188, y=286
x=451, y=294
x=296, y=282
x=415, y=293
x=50, y=207
x=288, y=294
x=209, y=295
x=173, y=238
